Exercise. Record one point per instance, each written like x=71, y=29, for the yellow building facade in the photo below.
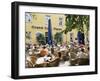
x=38, y=23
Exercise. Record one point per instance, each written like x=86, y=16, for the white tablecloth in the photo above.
x=43, y=59
x=40, y=60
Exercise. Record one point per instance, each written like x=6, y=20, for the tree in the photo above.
x=58, y=37
x=86, y=22
x=40, y=38
x=69, y=23
x=76, y=21
x=81, y=21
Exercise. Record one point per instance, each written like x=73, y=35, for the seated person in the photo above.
x=35, y=49
x=82, y=54
x=47, y=58
x=44, y=51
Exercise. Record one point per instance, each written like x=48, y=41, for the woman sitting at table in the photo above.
x=44, y=51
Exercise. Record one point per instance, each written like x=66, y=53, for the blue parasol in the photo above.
x=49, y=32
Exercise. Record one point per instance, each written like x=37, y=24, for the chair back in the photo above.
x=54, y=63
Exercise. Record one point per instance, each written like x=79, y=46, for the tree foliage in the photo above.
x=76, y=21
x=40, y=38
x=58, y=37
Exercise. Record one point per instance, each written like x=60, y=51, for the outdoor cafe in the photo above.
x=56, y=55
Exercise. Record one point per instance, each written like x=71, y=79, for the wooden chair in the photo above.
x=65, y=56
x=73, y=59
x=54, y=63
x=33, y=59
x=30, y=63
x=83, y=61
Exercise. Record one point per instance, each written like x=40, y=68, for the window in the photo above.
x=60, y=21
x=28, y=17
x=46, y=34
x=28, y=35
x=47, y=17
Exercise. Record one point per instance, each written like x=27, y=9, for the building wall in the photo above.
x=38, y=23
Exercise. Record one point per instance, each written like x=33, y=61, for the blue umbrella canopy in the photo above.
x=80, y=37
x=49, y=32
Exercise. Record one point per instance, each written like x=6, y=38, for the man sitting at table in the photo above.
x=44, y=51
